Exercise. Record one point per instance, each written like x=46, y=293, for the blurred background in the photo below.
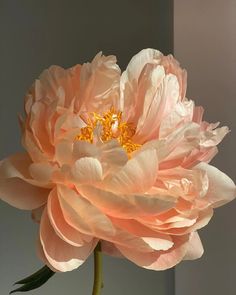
x=35, y=35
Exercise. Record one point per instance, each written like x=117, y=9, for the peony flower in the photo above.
x=118, y=158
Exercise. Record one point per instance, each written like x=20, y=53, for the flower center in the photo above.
x=109, y=126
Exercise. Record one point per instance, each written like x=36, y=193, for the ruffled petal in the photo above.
x=87, y=170
x=195, y=249
x=221, y=188
x=15, y=184
x=21, y=194
x=82, y=215
x=137, y=176
x=158, y=260
x=110, y=249
x=61, y=255
x=126, y=206
x=99, y=89
x=61, y=227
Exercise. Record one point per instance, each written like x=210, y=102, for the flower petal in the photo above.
x=126, y=206
x=15, y=186
x=82, y=215
x=21, y=194
x=137, y=176
x=61, y=227
x=110, y=249
x=158, y=260
x=62, y=256
x=87, y=170
x=195, y=249
x=221, y=188
x=99, y=84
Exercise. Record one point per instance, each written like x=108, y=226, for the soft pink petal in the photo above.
x=195, y=249
x=126, y=206
x=160, y=105
x=99, y=89
x=158, y=260
x=211, y=138
x=172, y=66
x=61, y=255
x=61, y=227
x=137, y=176
x=112, y=156
x=82, y=215
x=21, y=194
x=87, y=170
x=221, y=188
x=133, y=87
x=15, y=166
x=41, y=172
x=156, y=240
x=83, y=149
x=110, y=249
x=139, y=60
x=63, y=154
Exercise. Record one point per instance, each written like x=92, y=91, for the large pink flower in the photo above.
x=117, y=158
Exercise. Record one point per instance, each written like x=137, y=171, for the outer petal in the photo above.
x=158, y=260
x=61, y=227
x=110, y=249
x=14, y=186
x=221, y=188
x=126, y=206
x=22, y=195
x=15, y=166
x=156, y=240
x=62, y=256
x=82, y=215
x=86, y=218
x=21, y=166
x=195, y=248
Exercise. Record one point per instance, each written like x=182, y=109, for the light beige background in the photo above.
x=205, y=43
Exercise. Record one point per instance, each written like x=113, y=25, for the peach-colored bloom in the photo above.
x=120, y=158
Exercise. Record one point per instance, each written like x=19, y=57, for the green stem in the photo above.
x=98, y=284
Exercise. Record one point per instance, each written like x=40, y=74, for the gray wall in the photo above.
x=205, y=42
x=34, y=35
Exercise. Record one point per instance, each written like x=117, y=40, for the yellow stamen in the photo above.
x=111, y=127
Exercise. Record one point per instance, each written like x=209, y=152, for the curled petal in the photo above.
x=221, y=188
x=137, y=176
x=61, y=255
x=99, y=89
x=82, y=215
x=110, y=249
x=195, y=249
x=83, y=149
x=158, y=260
x=61, y=227
x=21, y=194
x=126, y=206
x=87, y=170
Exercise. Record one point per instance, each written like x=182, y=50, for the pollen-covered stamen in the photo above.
x=110, y=126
